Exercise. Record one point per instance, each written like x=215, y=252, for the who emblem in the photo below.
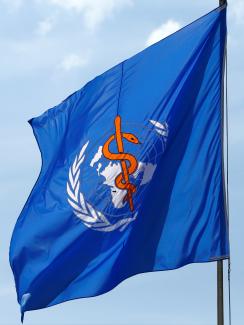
x=107, y=181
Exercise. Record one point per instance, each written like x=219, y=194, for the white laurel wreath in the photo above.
x=90, y=217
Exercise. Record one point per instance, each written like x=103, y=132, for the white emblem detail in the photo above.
x=97, y=156
x=25, y=297
x=90, y=217
x=161, y=128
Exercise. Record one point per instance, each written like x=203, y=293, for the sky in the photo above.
x=51, y=48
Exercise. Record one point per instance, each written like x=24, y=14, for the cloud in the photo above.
x=94, y=11
x=163, y=31
x=72, y=61
x=45, y=26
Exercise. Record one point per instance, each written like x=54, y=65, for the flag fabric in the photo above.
x=132, y=175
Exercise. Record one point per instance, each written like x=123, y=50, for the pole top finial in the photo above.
x=222, y=2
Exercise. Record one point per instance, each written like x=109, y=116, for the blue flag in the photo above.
x=132, y=173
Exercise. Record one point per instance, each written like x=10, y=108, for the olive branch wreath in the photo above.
x=90, y=217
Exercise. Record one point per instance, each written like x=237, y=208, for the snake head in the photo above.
x=131, y=138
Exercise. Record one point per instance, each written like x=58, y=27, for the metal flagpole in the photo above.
x=220, y=293
x=222, y=2
x=220, y=285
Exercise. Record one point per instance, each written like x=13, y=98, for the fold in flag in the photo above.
x=132, y=175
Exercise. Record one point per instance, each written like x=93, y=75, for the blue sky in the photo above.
x=51, y=48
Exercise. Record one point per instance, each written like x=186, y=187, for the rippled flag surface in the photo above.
x=132, y=173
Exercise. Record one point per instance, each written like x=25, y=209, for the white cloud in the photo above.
x=94, y=11
x=72, y=61
x=163, y=31
x=45, y=26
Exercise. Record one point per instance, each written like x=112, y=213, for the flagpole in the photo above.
x=220, y=293
x=220, y=284
x=222, y=2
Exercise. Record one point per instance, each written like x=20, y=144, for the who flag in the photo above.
x=132, y=175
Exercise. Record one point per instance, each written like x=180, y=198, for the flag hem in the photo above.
x=210, y=260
